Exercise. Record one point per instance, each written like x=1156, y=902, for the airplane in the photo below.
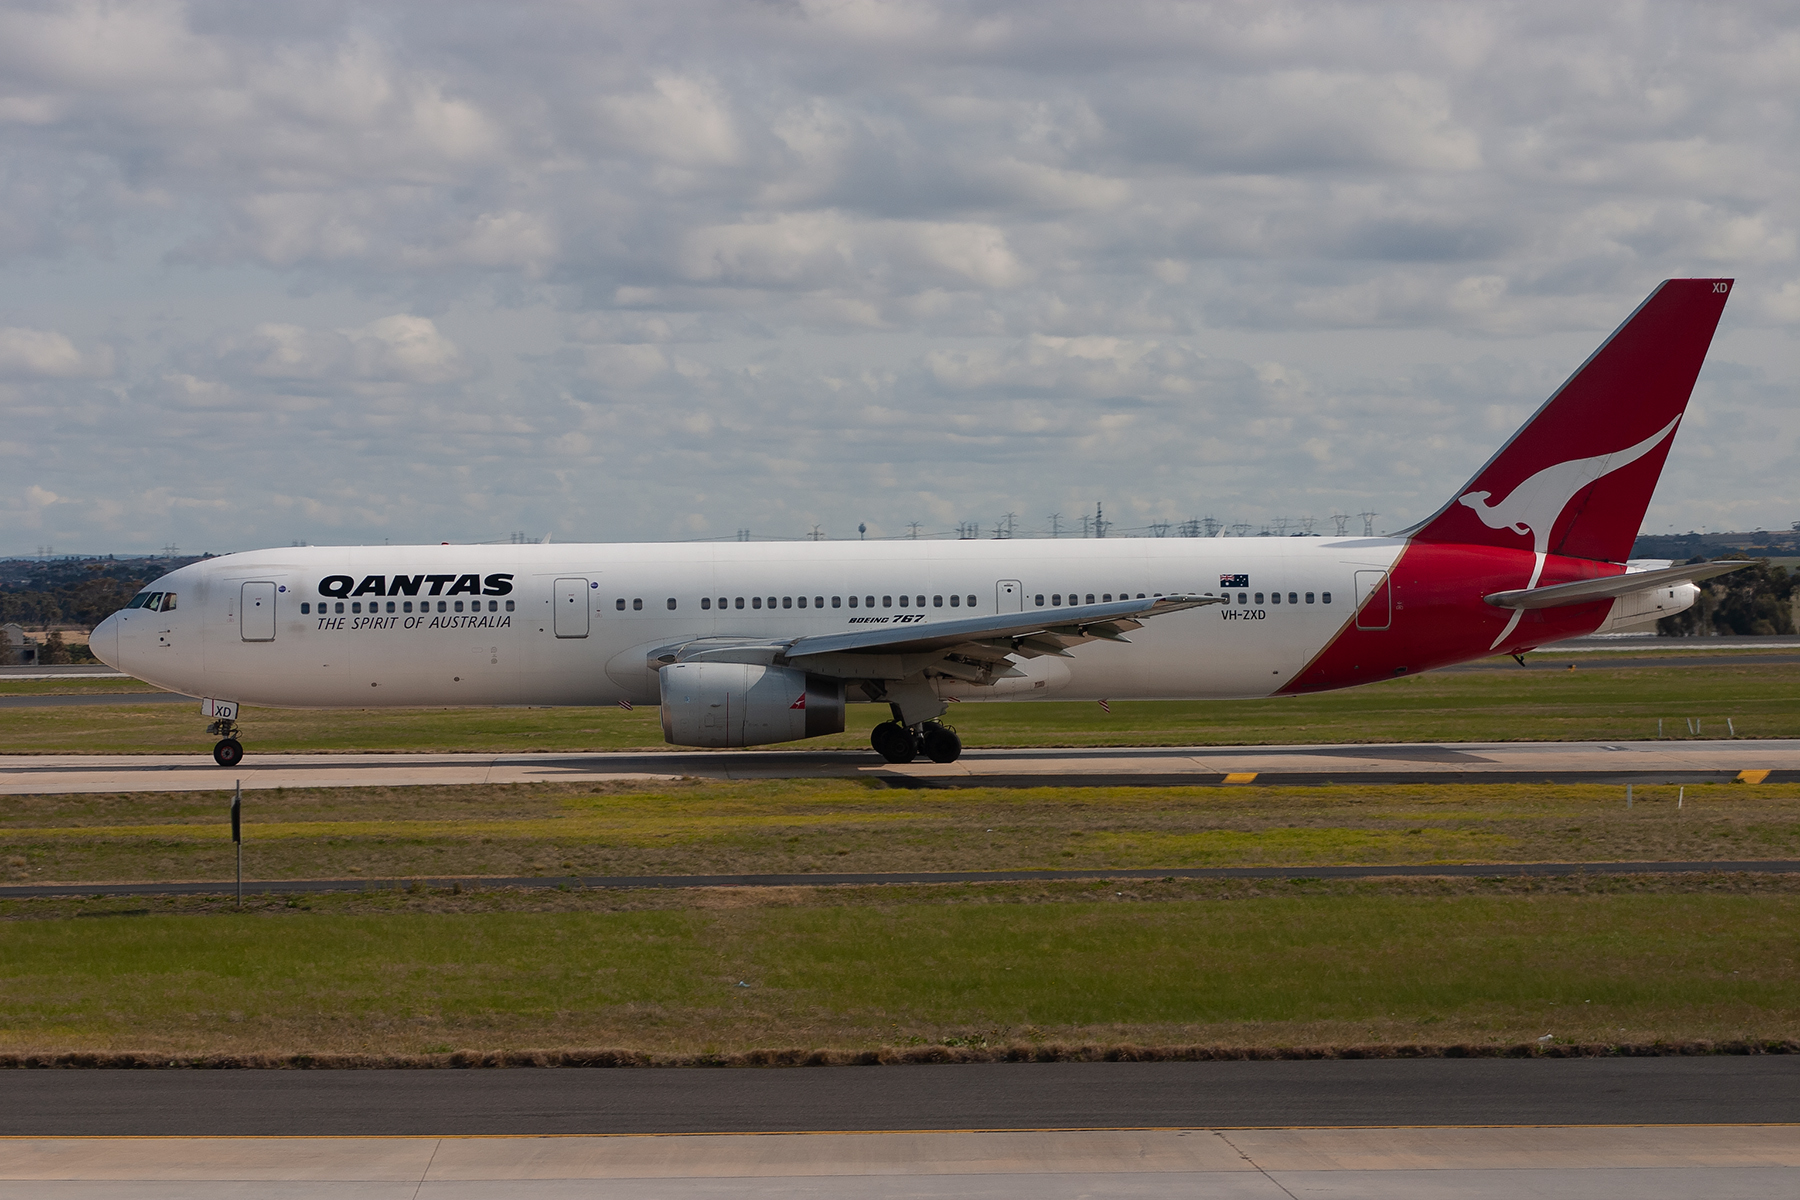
x=744, y=644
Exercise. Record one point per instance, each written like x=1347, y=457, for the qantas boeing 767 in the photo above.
x=745, y=644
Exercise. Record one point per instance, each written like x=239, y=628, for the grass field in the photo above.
x=1586, y=704
x=830, y=825
x=1156, y=963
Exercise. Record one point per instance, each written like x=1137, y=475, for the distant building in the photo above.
x=16, y=649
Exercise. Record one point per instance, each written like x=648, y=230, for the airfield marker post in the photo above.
x=237, y=836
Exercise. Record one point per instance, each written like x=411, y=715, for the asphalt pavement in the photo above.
x=1374, y=1092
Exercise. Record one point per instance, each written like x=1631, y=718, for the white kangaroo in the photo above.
x=1534, y=506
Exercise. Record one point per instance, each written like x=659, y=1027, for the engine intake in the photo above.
x=741, y=704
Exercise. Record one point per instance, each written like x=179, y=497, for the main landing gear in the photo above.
x=229, y=752
x=901, y=744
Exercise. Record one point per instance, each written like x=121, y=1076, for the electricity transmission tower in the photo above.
x=1342, y=521
x=1368, y=523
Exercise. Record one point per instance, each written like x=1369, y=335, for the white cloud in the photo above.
x=377, y=265
x=46, y=354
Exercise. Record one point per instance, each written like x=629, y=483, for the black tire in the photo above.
x=894, y=742
x=939, y=742
x=229, y=752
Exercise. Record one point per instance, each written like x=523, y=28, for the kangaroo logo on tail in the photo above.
x=1535, y=504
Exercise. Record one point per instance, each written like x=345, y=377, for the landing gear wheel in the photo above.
x=894, y=742
x=939, y=742
x=229, y=752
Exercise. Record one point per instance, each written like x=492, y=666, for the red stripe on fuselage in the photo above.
x=1440, y=618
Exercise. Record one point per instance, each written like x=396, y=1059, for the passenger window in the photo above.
x=740, y=602
x=937, y=602
x=786, y=602
x=306, y=608
x=887, y=602
x=619, y=604
x=637, y=604
x=509, y=606
x=838, y=601
x=1259, y=598
x=919, y=602
x=458, y=606
x=771, y=602
x=971, y=602
x=1293, y=598
x=443, y=606
x=903, y=602
x=756, y=602
x=1106, y=599
x=853, y=602
x=1039, y=599
x=868, y=602
x=1090, y=597
x=1274, y=597
x=492, y=605
x=356, y=606
x=1243, y=598
x=705, y=603
x=956, y=601
x=1309, y=597
x=1056, y=597
x=724, y=603
x=1325, y=597
x=802, y=601
x=818, y=602
x=671, y=604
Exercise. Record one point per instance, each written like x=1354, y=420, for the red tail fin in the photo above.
x=1576, y=479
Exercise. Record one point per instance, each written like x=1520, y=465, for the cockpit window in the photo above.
x=168, y=603
x=137, y=601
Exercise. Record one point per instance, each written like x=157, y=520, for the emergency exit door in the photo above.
x=572, y=607
x=1009, y=596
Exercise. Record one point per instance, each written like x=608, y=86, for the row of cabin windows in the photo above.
x=725, y=602
x=1105, y=598
x=407, y=606
x=1275, y=597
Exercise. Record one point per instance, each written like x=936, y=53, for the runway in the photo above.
x=291, y=887
x=1685, y=761
x=1636, y=1129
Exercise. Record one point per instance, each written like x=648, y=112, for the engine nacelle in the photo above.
x=741, y=704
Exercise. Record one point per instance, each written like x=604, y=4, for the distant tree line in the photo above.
x=1757, y=600
x=80, y=592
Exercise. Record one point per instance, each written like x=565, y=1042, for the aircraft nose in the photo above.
x=104, y=641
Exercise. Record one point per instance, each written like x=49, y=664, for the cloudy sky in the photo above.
x=336, y=273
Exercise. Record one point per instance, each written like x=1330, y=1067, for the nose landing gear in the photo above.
x=901, y=744
x=229, y=752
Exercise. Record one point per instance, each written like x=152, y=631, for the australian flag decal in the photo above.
x=1234, y=581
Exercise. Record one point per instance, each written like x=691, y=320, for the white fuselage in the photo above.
x=438, y=641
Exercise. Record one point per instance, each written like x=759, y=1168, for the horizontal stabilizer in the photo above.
x=1586, y=591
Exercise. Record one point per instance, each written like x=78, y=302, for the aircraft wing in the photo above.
x=972, y=648
x=1077, y=623
x=1586, y=591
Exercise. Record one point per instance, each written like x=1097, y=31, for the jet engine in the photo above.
x=742, y=704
